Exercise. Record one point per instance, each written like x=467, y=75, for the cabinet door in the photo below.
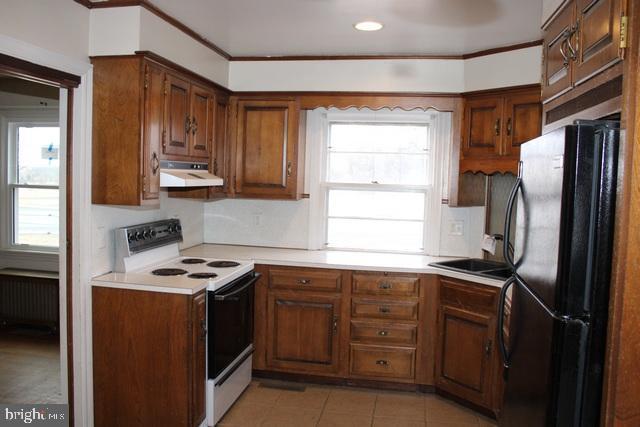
x=202, y=116
x=598, y=36
x=177, y=118
x=557, y=64
x=266, y=148
x=483, y=127
x=220, y=147
x=523, y=121
x=303, y=332
x=152, y=130
x=463, y=359
x=199, y=354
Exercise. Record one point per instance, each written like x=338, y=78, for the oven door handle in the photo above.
x=235, y=292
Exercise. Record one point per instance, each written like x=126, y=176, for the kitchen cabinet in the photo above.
x=144, y=111
x=495, y=124
x=582, y=40
x=128, y=109
x=467, y=363
x=269, y=142
x=149, y=358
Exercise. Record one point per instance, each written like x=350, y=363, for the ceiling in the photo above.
x=325, y=27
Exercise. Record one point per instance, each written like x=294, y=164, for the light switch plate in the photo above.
x=456, y=228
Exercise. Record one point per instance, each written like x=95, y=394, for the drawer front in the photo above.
x=381, y=309
x=470, y=295
x=382, y=362
x=383, y=333
x=317, y=280
x=374, y=284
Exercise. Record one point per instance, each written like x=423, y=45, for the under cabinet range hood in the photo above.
x=187, y=174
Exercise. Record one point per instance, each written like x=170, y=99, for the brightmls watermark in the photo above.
x=34, y=415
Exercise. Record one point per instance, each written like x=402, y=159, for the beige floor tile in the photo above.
x=353, y=402
x=245, y=414
x=441, y=411
x=400, y=405
x=311, y=399
x=291, y=417
x=396, y=422
x=261, y=395
x=341, y=419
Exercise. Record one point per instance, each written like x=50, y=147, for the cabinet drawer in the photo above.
x=385, y=362
x=383, y=333
x=374, y=284
x=317, y=280
x=381, y=309
x=470, y=296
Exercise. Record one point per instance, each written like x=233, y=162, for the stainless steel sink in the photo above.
x=479, y=267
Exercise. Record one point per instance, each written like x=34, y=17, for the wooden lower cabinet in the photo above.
x=303, y=332
x=149, y=358
x=467, y=362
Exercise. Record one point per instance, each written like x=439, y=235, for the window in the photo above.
x=33, y=179
x=378, y=179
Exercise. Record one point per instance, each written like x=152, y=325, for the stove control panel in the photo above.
x=142, y=237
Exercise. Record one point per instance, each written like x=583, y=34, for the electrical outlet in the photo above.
x=257, y=220
x=100, y=238
x=456, y=228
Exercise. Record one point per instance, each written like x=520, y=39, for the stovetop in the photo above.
x=186, y=276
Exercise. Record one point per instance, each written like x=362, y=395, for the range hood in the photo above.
x=187, y=174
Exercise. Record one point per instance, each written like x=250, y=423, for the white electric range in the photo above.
x=148, y=259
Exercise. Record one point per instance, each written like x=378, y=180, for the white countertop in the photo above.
x=344, y=260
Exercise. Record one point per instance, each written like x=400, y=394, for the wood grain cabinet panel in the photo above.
x=303, y=332
x=202, y=122
x=177, y=117
x=149, y=358
x=385, y=284
x=384, y=309
x=269, y=153
x=152, y=130
x=523, y=115
x=483, y=127
x=557, y=72
x=305, y=279
x=379, y=362
x=384, y=333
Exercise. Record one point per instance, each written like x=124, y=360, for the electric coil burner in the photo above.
x=169, y=272
x=203, y=275
x=223, y=264
x=193, y=261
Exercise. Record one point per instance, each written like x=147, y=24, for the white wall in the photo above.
x=58, y=26
x=124, y=30
x=107, y=218
x=549, y=7
x=517, y=67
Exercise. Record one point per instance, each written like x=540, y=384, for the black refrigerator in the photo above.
x=553, y=348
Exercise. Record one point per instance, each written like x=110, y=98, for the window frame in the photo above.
x=11, y=184
x=438, y=168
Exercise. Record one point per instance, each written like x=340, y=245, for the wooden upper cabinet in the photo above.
x=303, y=332
x=583, y=40
x=495, y=124
x=202, y=122
x=557, y=69
x=598, y=36
x=127, y=127
x=177, y=117
x=482, y=131
x=269, y=148
x=220, y=149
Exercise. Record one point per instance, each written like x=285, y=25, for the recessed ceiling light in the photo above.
x=368, y=26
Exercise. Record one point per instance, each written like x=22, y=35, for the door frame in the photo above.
x=21, y=68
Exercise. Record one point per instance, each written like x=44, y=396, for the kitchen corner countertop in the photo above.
x=344, y=260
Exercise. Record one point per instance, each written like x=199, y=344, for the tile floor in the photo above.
x=266, y=403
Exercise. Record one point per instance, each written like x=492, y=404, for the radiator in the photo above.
x=26, y=299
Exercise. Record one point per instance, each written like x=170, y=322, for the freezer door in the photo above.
x=545, y=378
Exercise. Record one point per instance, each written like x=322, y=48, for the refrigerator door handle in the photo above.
x=503, y=297
x=507, y=249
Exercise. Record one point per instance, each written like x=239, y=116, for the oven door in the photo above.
x=230, y=325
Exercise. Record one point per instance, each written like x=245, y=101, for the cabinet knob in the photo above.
x=304, y=281
x=385, y=285
x=289, y=168
x=194, y=126
x=187, y=125
x=382, y=362
x=155, y=163
x=203, y=329
x=496, y=127
x=335, y=324
x=509, y=126
x=384, y=309
x=383, y=333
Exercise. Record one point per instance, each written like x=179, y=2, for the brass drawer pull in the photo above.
x=383, y=333
x=496, y=127
x=304, y=281
x=385, y=285
x=382, y=362
x=383, y=309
